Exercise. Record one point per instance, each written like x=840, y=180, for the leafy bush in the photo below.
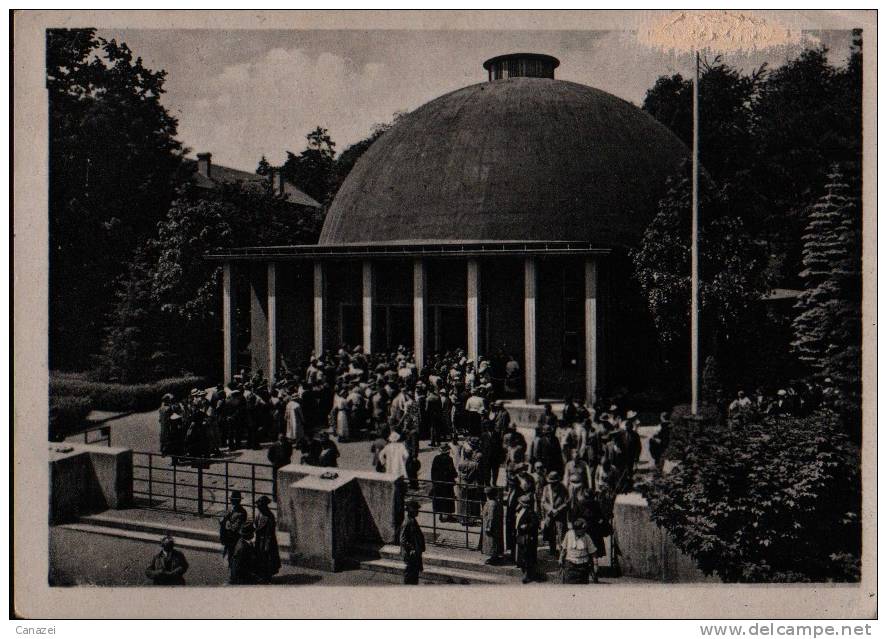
x=66, y=413
x=766, y=501
x=121, y=397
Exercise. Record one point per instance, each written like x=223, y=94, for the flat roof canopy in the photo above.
x=452, y=249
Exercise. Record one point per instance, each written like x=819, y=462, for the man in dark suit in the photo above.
x=526, y=537
x=168, y=566
x=412, y=545
x=443, y=478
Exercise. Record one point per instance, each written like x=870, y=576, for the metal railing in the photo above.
x=104, y=435
x=468, y=500
x=198, y=485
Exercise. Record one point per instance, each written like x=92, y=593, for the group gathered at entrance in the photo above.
x=555, y=488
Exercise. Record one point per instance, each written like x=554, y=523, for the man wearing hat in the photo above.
x=169, y=566
x=577, y=556
x=443, y=478
x=230, y=525
x=491, y=526
x=242, y=563
x=526, y=537
x=412, y=545
x=555, y=501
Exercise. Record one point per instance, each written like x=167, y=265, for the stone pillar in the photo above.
x=419, y=312
x=272, y=322
x=530, y=329
x=590, y=331
x=368, y=306
x=258, y=316
x=472, y=308
x=229, y=320
x=318, y=308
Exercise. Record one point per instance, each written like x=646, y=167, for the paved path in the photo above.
x=141, y=432
x=80, y=558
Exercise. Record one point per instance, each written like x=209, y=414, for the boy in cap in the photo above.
x=168, y=566
x=412, y=545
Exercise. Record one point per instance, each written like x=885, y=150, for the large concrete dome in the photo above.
x=523, y=158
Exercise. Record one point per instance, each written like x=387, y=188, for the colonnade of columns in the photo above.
x=473, y=295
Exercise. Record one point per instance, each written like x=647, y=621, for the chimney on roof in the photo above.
x=521, y=65
x=277, y=181
x=205, y=164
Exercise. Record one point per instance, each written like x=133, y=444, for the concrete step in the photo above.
x=154, y=530
x=462, y=560
x=436, y=574
x=150, y=537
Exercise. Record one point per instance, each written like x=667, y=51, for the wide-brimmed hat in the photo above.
x=235, y=494
x=167, y=397
x=444, y=448
x=553, y=477
x=579, y=524
x=631, y=414
x=263, y=500
x=781, y=392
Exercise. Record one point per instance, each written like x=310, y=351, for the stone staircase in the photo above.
x=442, y=565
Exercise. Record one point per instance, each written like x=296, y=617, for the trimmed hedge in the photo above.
x=66, y=414
x=121, y=397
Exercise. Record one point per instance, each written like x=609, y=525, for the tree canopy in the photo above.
x=114, y=162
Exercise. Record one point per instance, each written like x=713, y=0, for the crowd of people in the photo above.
x=570, y=471
x=798, y=399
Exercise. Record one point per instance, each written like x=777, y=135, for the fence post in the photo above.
x=253, y=487
x=226, y=486
x=200, y=490
x=150, y=480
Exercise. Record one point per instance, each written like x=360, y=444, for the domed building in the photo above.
x=495, y=218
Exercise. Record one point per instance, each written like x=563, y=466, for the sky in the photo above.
x=241, y=94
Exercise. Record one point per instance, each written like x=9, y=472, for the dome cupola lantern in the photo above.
x=521, y=65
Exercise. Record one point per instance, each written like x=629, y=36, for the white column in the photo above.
x=318, y=308
x=530, y=329
x=367, y=306
x=419, y=312
x=272, y=322
x=590, y=331
x=229, y=320
x=473, y=308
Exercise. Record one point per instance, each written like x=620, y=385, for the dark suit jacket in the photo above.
x=168, y=570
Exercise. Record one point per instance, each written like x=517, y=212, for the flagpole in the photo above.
x=694, y=254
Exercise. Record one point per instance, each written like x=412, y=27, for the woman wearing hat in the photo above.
x=577, y=555
x=267, y=553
